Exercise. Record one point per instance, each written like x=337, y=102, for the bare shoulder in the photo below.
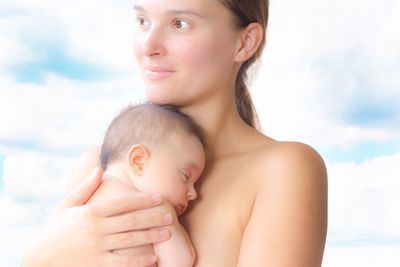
x=293, y=156
x=293, y=168
x=291, y=173
x=287, y=160
x=288, y=221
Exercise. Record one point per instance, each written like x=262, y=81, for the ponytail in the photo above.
x=246, y=12
x=244, y=104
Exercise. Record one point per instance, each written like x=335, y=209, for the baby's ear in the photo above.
x=138, y=155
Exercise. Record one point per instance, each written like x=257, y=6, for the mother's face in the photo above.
x=184, y=48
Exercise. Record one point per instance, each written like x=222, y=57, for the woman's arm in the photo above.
x=80, y=234
x=288, y=223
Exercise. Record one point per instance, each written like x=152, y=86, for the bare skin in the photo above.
x=261, y=203
x=179, y=247
x=90, y=232
x=265, y=201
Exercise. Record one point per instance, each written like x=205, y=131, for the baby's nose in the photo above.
x=192, y=194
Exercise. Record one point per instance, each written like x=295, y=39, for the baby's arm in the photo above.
x=178, y=251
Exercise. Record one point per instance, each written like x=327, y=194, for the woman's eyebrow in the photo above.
x=185, y=12
x=138, y=8
x=173, y=11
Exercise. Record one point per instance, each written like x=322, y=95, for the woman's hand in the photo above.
x=80, y=234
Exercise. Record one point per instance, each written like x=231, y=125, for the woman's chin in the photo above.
x=161, y=97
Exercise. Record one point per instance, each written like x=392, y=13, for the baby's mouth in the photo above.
x=180, y=208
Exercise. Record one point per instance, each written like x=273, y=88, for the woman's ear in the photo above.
x=138, y=155
x=250, y=40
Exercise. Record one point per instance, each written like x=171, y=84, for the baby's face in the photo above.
x=173, y=168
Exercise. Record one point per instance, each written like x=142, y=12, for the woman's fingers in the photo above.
x=84, y=191
x=130, y=261
x=135, y=238
x=139, y=220
x=124, y=204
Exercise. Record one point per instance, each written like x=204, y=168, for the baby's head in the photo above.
x=161, y=148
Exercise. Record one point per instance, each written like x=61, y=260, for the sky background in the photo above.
x=329, y=77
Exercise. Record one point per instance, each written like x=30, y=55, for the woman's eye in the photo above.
x=181, y=24
x=142, y=22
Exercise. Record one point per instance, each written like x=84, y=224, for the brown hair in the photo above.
x=246, y=12
x=147, y=124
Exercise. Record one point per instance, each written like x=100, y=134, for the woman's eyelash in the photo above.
x=141, y=21
x=181, y=24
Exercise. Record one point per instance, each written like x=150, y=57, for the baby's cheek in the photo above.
x=172, y=192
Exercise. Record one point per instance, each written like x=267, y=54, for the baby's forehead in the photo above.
x=186, y=138
x=183, y=142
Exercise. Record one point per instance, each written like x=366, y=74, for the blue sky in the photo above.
x=361, y=152
x=56, y=60
x=65, y=71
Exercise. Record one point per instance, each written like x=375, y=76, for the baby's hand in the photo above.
x=178, y=251
x=166, y=208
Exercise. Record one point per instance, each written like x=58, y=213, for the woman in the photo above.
x=260, y=202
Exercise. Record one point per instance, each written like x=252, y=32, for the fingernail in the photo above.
x=168, y=218
x=156, y=198
x=164, y=233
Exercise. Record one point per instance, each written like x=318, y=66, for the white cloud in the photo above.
x=319, y=57
x=35, y=176
x=33, y=184
x=322, y=60
x=12, y=51
x=363, y=201
x=93, y=31
x=362, y=256
x=62, y=114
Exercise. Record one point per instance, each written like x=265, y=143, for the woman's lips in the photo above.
x=156, y=73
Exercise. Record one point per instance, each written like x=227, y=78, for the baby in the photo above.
x=155, y=149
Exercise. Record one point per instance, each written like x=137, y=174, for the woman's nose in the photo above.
x=153, y=44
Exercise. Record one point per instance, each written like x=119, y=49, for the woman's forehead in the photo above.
x=196, y=7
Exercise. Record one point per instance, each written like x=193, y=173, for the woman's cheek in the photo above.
x=137, y=52
x=194, y=54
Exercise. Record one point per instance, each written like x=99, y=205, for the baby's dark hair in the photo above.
x=147, y=124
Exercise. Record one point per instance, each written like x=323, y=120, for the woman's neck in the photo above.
x=223, y=127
